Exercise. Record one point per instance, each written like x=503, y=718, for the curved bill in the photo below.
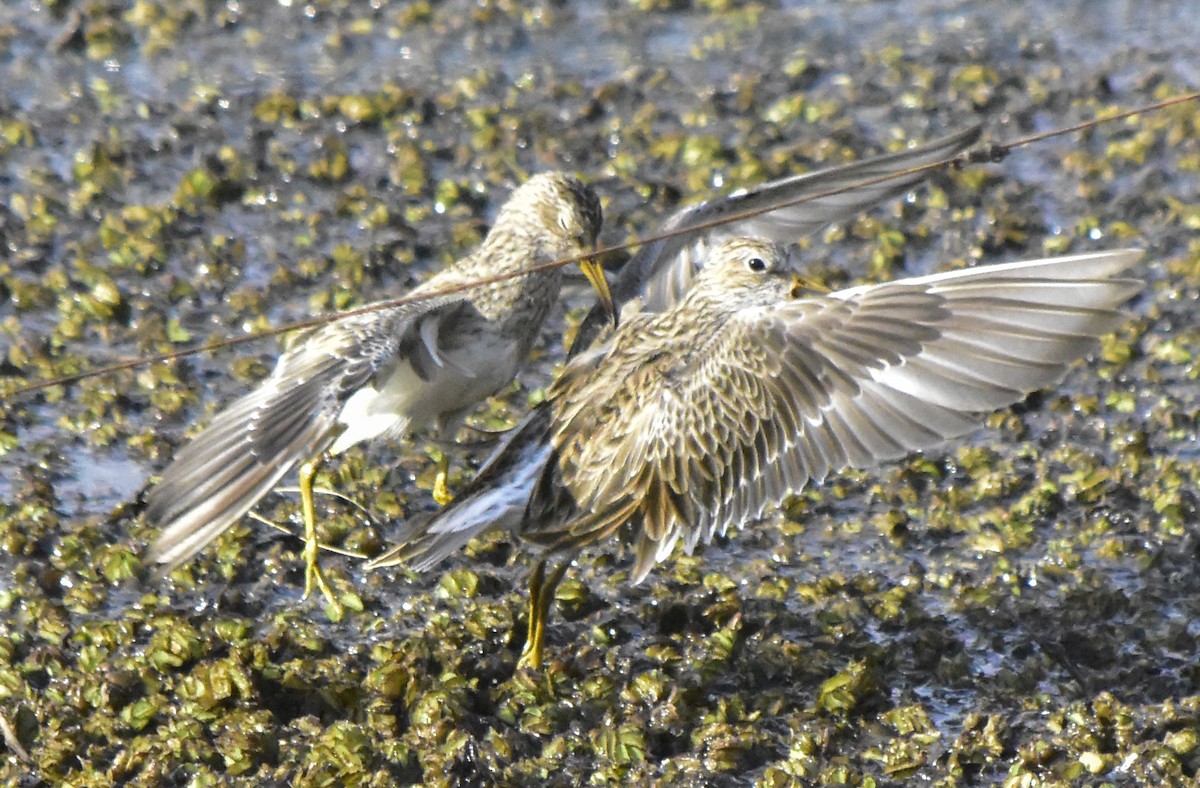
x=594, y=272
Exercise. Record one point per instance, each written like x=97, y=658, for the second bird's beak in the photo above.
x=594, y=272
x=802, y=284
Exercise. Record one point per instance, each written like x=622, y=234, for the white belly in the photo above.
x=405, y=401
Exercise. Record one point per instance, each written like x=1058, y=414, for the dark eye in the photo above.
x=756, y=264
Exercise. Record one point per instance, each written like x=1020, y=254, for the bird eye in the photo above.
x=756, y=264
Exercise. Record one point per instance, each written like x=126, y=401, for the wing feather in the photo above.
x=788, y=394
x=662, y=271
x=266, y=434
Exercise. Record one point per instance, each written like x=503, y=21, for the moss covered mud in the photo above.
x=1021, y=608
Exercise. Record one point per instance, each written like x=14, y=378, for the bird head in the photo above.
x=560, y=217
x=747, y=271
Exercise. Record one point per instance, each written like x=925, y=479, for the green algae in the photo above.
x=1012, y=610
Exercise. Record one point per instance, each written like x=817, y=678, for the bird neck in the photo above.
x=703, y=301
x=523, y=297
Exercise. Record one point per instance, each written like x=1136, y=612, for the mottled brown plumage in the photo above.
x=783, y=210
x=694, y=420
x=382, y=373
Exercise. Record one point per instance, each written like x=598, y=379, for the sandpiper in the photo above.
x=688, y=422
x=383, y=373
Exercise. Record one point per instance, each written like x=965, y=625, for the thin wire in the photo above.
x=985, y=153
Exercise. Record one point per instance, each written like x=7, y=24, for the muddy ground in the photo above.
x=1019, y=608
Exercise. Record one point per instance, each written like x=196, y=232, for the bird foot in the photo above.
x=441, y=490
x=314, y=578
x=531, y=658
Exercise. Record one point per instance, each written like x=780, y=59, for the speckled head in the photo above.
x=556, y=212
x=554, y=216
x=744, y=270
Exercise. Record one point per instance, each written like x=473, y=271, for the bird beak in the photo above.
x=801, y=284
x=594, y=272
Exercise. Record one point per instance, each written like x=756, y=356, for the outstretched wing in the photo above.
x=661, y=272
x=787, y=394
x=260, y=438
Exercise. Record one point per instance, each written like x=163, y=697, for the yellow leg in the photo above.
x=541, y=597
x=441, y=492
x=312, y=572
x=531, y=655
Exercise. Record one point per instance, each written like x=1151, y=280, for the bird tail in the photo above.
x=497, y=497
x=225, y=470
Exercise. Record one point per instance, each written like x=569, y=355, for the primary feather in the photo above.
x=694, y=420
x=380, y=373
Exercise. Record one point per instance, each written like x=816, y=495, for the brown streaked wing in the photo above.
x=790, y=393
x=661, y=271
x=256, y=441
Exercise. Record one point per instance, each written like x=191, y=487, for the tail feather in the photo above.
x=497, y=497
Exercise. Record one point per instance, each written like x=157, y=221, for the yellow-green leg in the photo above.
x=441, y=491
x=312, y=572
x=541, y=597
